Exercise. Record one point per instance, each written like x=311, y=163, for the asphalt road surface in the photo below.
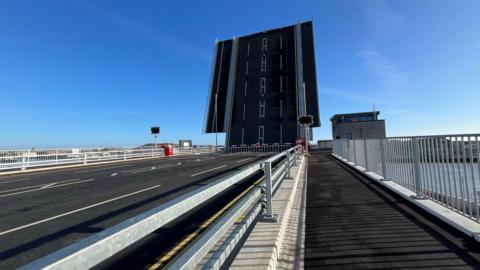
x=45, y=211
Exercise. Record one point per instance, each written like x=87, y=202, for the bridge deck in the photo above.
x=353, y=223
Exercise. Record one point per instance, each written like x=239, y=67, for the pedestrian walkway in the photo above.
x=352, y=223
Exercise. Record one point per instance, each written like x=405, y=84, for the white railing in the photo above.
x=444, y=168
x=257, y=148
x=257, y=200
x=24, y=159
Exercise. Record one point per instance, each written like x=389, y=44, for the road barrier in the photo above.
x=257, y=148
x=445, y=169
x=97, y=248
x=25, y=159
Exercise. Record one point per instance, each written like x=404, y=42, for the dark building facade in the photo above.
x=354, y=126
x=261, y=83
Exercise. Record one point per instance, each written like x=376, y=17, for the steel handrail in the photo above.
x=250, y=202
x=97, y=248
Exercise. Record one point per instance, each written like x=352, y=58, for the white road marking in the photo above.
x=242, y=160
x=32, y=190
x=208, y=170
x=35, y=186
x=113, y=174
x=154, y=168
x=75, y=211
x=141, y=169
x=49, y=185
x=106, y=168
x=11, y=181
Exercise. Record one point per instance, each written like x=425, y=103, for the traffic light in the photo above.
x=306, y=120
x=155, y=130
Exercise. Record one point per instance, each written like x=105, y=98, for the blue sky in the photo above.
x=90, y=73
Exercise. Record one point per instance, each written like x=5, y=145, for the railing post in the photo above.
x=287, y=165
x=295, y=155
x=268, y=215
x=382, y=157
x=416, y=168
x=24, y=163
x=85, y=158
x=366, y=154
x=56, y=156
x=355, y=152
x=124, y=155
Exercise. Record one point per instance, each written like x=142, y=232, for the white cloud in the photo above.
x=350, y=95
x=395, y=82
x=381, y=20
x=161, y=38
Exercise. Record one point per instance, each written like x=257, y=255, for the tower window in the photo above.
x=264, y=44
x=281, y=84
x=261, y=112
x=261, y=134
x=263, y=66
x=263, y=86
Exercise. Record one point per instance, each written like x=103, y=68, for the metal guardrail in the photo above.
x=257, y=148
x=443, y=168
x=24, y=159
x=95, y=249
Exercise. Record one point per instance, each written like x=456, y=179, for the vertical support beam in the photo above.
x=268, y=216
x=355, y=152
x=382, y=157
x=416, y=167
x=287, y=165
x=295, y=156
x=24, y=162
x=212, y=76
x=300, y=94
x=230, y=90
x=28, y=158
x=365, y=152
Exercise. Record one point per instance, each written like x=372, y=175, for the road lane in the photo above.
x=48, y=186
x=209, y=170
x=51, y=229
x=75, y=211
x=29, y=178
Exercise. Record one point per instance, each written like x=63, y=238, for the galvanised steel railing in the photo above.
x=257, y=148
x=444, y=168
x=24, y=159
x=255, y=201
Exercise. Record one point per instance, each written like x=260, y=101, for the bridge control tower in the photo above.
x=261, y=83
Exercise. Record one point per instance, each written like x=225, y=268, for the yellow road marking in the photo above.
x=240, y=218
x=174, y=251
